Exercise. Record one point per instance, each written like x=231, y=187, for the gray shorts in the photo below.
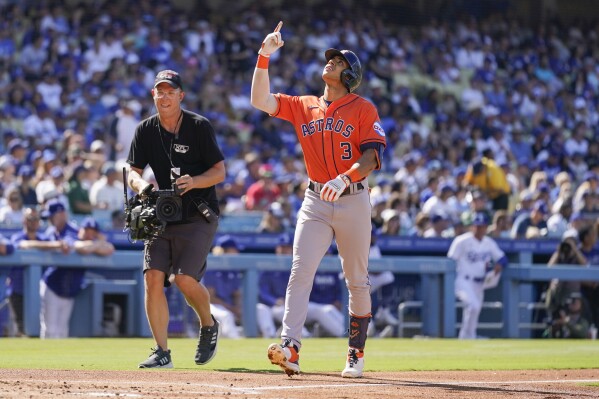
x=181, y=249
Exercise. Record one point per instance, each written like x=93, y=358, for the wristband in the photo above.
x=345, y=179
x=353, y=175
x=262, y=62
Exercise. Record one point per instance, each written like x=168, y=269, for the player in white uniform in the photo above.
x=475, y=254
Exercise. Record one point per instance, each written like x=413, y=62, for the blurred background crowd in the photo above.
x=487, y=106
x=452, y=84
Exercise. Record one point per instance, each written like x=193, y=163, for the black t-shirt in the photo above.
x=194, y=150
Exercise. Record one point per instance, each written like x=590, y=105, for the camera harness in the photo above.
x=169, y=153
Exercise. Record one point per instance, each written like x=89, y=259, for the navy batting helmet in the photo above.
x=352, y=76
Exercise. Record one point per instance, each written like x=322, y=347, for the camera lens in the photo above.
x=169, y=209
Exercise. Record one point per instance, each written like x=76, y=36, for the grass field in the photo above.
x=317, y=354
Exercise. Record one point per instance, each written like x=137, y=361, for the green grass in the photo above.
x=317, y=354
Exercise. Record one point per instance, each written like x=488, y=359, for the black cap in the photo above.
x=170, y=77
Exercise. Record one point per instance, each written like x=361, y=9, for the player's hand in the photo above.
x=334, y=188
x=272, y=42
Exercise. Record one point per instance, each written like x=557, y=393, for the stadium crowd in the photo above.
x=454, y=96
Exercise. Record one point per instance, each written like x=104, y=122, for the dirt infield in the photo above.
x=548, y=384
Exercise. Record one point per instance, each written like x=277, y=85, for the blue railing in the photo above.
x=437, y=274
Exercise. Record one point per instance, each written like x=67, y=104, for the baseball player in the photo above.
x=343, y=142
x=475, y=255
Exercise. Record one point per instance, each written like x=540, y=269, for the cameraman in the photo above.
x=173, y=139
x=567, y=253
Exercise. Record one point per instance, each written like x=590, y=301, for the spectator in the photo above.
x=558, y=223
x=485, y=174
x=11, y=214
x=570, y=322
x=52, y=186
x=25, y=186
x=263, y=192
x=122, y=128
x=566, y=253
x=477, y=202
x=78, y=193
x=531, y=224
x=475, y=255
x=272, y=220
x=590, y=289
x=443, y=201
x=439, y=226
x=500, y=227
x=107, y=193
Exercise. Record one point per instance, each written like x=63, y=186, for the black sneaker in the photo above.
x=207, y=343
x=159, y=358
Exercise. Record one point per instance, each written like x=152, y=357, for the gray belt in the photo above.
x=353, y=188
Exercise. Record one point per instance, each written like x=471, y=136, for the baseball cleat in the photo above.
x=285, y=357
x=159, y=358
x=354, y=366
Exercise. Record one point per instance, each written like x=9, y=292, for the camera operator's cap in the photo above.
x=53, y=206
x=169, y=76
x=480, y=219
x=90, y=223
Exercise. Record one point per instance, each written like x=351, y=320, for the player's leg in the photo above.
x=465, y=291
x=64, y=309
x=313, y=236
x=352, y=228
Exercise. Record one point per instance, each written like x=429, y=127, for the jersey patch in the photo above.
x=181, y=148
x=379, y=129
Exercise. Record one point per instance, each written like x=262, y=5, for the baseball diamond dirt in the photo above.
x=545, y=384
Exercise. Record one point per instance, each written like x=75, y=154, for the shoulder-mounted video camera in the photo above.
x=148, y=212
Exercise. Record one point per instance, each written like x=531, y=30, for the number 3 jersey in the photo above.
x=332, y=137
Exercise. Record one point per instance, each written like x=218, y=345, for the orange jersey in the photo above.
x=332, y=137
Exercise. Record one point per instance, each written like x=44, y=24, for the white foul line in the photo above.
x=357, y=385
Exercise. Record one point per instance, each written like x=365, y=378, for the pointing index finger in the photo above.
x=279, y=26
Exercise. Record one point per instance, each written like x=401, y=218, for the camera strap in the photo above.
x=169, y=153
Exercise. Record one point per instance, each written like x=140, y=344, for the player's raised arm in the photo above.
x=261, y=97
